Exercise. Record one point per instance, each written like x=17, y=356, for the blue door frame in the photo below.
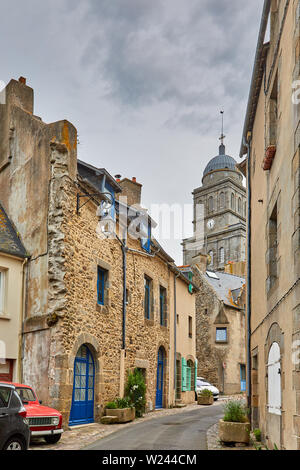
x=160, y=379
x=82, y=410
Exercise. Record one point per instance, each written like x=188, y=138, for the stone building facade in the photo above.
x=271, y=132
x=220, y=206
x=80, y=334
x=220, y=328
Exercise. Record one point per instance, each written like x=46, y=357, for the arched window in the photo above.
x=240, y=205
x=232, y=202
x=222, y=256
x=190, y=375
x=210, y=204
x=222, y=201
x=211, y=258
x=245, y=209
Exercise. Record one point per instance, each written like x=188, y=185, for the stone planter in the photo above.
x=124, y=415
x=205, y=400
x=234, y=432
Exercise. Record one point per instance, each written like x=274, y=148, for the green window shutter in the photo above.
x=196, y=369
x=183, y=375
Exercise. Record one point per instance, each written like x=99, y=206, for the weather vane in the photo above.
x=222, y=134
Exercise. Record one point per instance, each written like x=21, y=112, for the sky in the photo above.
x=143, y=81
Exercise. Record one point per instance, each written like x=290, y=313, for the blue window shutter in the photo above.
x=101, y=286
x=146, y=242
x=196, y=370
x=147, y=298
x=183, y=375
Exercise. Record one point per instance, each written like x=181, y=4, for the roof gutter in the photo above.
x=258, y=53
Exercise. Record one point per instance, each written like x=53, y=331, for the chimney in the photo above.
x=20, y=95
x=132, y=190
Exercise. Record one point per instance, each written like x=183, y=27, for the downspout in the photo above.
x=23, y=315
x=175, y=331
x=247, y=144
x=124, y=255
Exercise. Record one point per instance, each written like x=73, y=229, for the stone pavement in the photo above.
x=80, y=436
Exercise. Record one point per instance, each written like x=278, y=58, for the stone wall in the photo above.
x=210, y=314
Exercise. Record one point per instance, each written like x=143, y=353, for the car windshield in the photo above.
x=26, y=394
x=200, y=383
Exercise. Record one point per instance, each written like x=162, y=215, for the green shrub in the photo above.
x=257, y=434
x=206, y=393
x=112, y=405
x=235, y=412
x=136, y=391
x=119, y=403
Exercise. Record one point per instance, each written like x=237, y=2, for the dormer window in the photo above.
x=145, y=230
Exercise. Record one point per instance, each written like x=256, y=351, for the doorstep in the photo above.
x=78, y=426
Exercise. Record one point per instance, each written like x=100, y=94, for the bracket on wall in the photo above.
x=106, y=196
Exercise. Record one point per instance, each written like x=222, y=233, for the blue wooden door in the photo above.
x=160, y=379
x=82, y=410
x=243, y=377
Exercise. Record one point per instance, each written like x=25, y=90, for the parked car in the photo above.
x=14, y=428
x=43, y=421
x=203, y=384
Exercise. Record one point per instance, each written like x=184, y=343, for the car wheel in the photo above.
x=52, y=439
x=15, y=443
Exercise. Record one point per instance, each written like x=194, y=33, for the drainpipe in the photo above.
x=124, y=255
x=175, y=332
x=249, y=388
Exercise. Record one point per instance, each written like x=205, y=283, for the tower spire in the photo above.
x=222, y=146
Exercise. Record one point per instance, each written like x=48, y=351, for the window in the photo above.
x=147, y=298
x=190, y=376
x=145, y=230
x=222, y=201
x=222, y=256
x=101, y=285
x=163, y=306
x=221, y=335
x=4, y=396
x=240, y=205
x=232, y=202
x=210, y=204
x=2, y=289
x=190, y=327
x=272, y=254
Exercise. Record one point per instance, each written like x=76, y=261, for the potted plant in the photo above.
x=121, y=410
x=235, y=427
x=205, y=397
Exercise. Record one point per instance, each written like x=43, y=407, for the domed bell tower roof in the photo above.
x=220, y=162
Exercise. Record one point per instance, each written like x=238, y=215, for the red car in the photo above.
x=43, y=421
